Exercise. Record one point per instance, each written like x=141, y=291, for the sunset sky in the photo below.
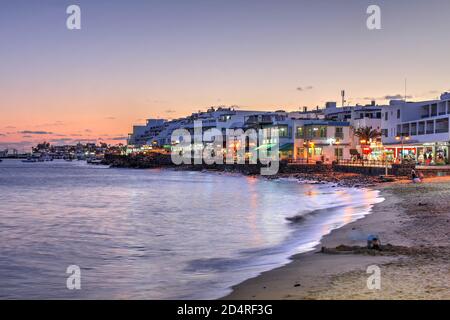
x=134, y=60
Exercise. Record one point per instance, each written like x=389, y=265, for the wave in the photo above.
x=301, y=217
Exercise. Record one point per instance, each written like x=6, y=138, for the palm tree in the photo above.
x=367, y=133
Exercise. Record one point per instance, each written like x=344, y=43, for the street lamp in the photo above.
x=402, y=138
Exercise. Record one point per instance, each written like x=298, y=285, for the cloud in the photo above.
x=35, y=132
x=396, y=97
x=170, y=111
x=158, y=101
x=110, y=118
x=240, y=107
x=71, y=141
x=117, y=138
x=389, y=97
x=87, y=130
x=2, y=135
x=27, y=136
x=52, y=124
x=305, y=88
x=61, y=141
x=85, y=140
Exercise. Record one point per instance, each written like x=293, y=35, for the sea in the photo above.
x=155, y=234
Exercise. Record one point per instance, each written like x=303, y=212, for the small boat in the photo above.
x=29, y=160
x=94, y=161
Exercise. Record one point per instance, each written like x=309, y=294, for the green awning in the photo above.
x=287, y=147
x=267, y=146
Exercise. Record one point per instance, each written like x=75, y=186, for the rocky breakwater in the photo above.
x=139, y=161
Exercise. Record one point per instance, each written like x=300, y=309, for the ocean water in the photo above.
x=155, y=234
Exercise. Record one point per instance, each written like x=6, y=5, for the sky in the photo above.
x=134, y=60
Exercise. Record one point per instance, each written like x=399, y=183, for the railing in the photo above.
x=301, y=161
x=365, y=163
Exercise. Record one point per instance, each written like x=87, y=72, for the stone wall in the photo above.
x=305, y=168
x=434, y=171
x=369, y=171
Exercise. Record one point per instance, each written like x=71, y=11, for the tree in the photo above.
x=367, y=134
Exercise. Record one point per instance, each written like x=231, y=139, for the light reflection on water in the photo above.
x=154, y=234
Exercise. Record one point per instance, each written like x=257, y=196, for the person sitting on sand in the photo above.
x=415, y=178
x=373, y=242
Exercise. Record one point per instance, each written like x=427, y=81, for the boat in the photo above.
x=46, y=158
x=94, y=161
x=29, y=160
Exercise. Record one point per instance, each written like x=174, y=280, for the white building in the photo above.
x=418, y=130
x=322, y=140
x=358, y=116
x=334, y=125
x=144, y=134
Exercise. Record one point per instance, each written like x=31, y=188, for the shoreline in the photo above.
x=406, y=218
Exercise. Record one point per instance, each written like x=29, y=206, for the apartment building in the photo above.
x=418, y=131
x=323, y=140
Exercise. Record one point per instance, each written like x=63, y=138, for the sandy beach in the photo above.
x=415, y=217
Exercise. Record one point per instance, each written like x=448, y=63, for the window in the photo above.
x=323, y=132
x=378, y=115
x=315, y=151
x=299, y=132
x=414, y=129
x=434, y=110
x=301, y=152
x=442, y=108
x=421, y=127
x=339, y=133
x=398, y=113
x=384, y=132
x=442, y=125
x=399, y=129
x=386, y=116
x=338, y=153
x=316, y=132
x=430, y=127
x=283, y=132
x=405, y=129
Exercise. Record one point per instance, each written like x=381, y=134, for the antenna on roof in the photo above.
x=343, y=98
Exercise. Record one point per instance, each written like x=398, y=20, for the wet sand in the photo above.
x=416, y=216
